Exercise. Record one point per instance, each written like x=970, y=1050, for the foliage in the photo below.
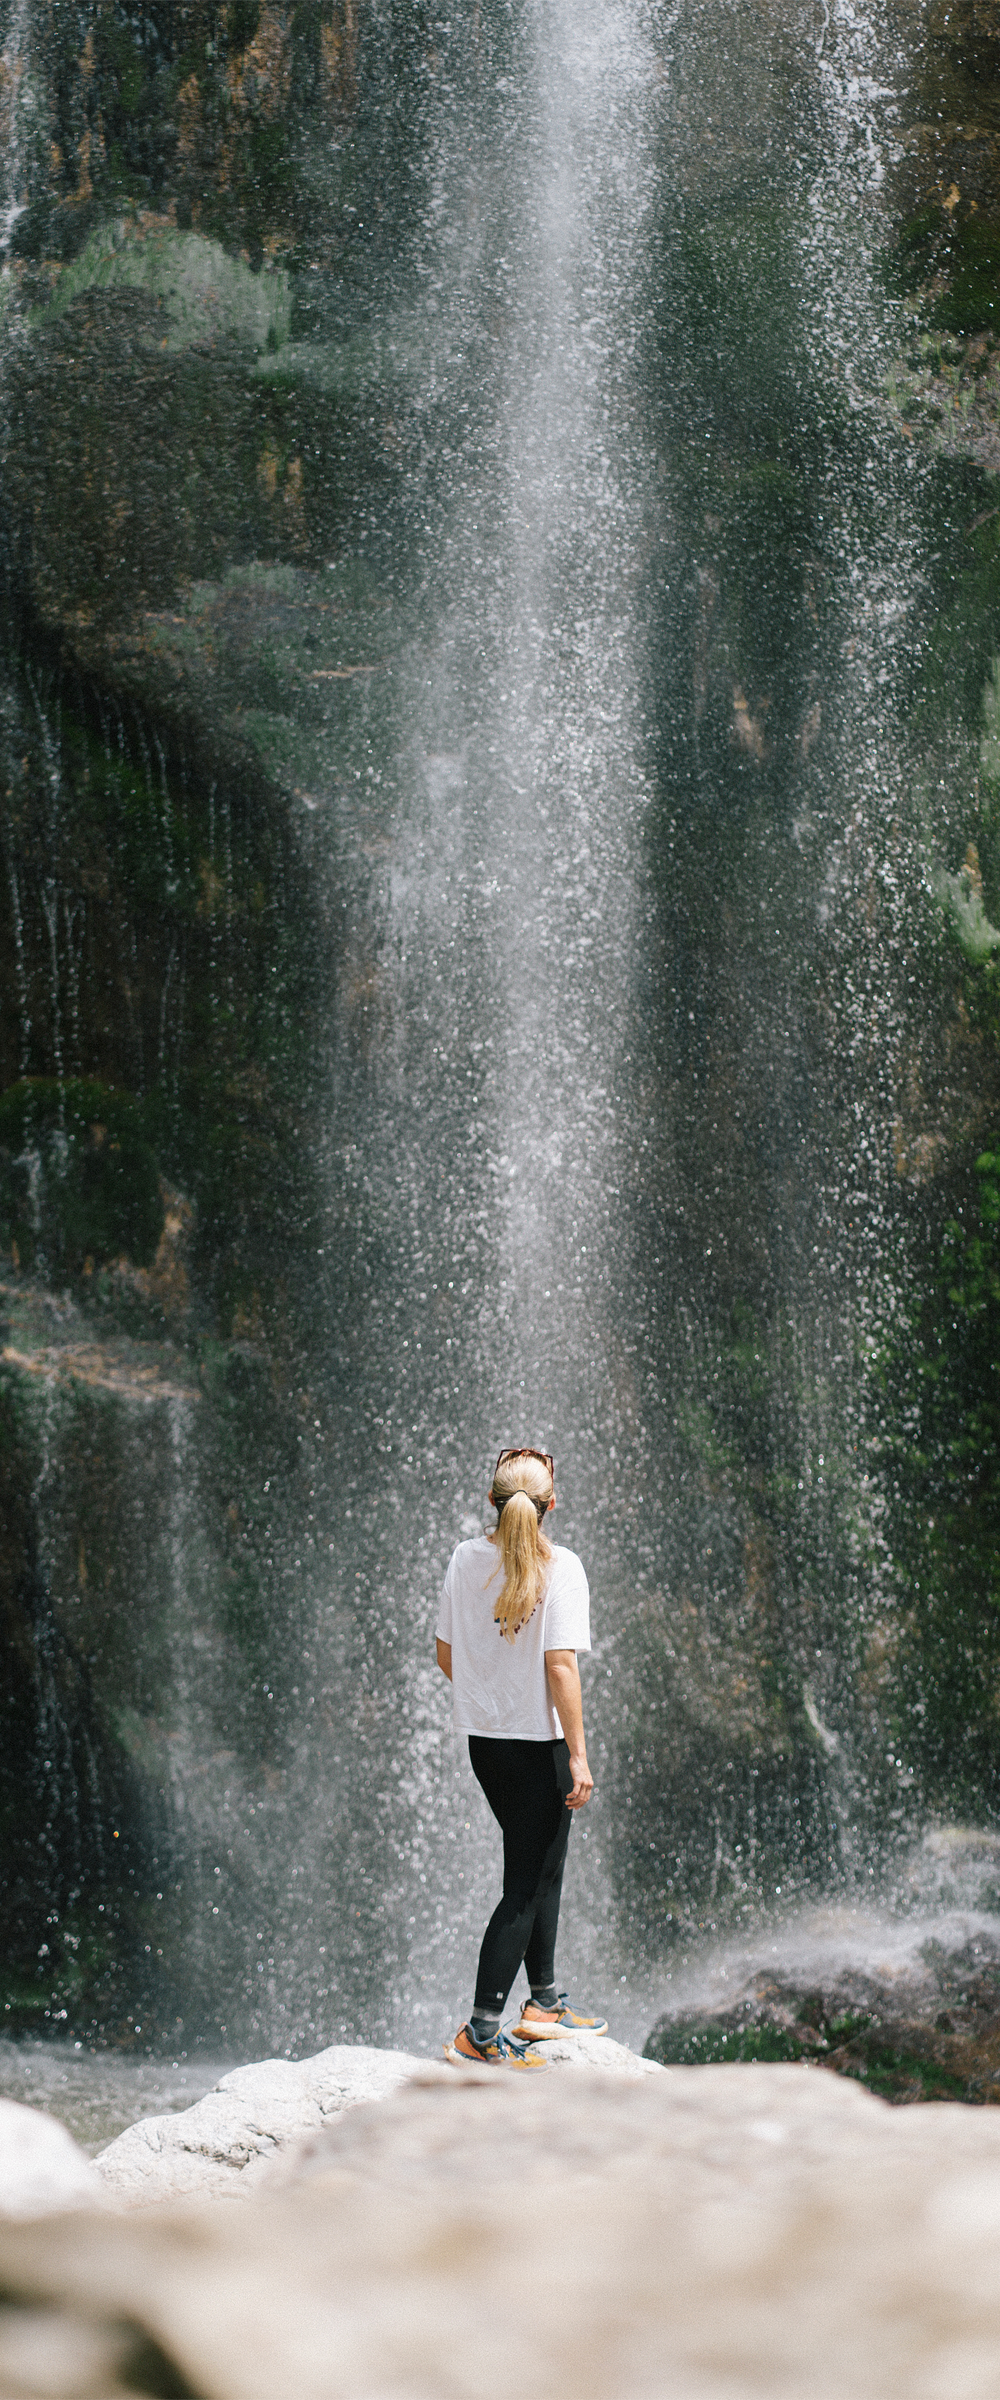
x=958, y=254
x=78, y=1178
x=852, y=2042
x=681, y=2042
x=941, y=1443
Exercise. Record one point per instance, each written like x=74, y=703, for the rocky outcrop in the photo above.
x=228, y=2141
x=713, y=2231
x=927, y=2028
x=276, y=2113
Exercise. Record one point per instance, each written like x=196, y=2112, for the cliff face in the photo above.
x=239, y=383
x=175, y=642
x=219, y=115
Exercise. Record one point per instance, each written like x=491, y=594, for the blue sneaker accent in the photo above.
x=555, y=2026
x=503, y=2051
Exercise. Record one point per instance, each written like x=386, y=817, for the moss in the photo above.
x=940, y=1446
x=704, y=2044
x=903, y=2075
x=953, y=256
x=200, y=291
x=851, y=2042
x=79, y=1181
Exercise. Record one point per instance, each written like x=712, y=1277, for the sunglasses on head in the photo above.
x=506, y=1456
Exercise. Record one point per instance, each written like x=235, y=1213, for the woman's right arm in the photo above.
x=444, y=1657
x=564, y=1685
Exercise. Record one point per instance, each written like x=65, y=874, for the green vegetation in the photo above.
x=196, y=1039
x=896, y=2066
x=79, y=1182
x=941, y=1391
x=751, y=441
x=200, y=292
x=704, y=2044
x=955, y=253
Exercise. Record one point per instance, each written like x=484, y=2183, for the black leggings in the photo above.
x=526, y=1784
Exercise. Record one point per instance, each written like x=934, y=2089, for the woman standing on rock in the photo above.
x=514, y=1613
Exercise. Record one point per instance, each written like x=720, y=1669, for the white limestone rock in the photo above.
x=41, y=2168
x=598, y=2050
x=262, y=2118
x=229, y=2141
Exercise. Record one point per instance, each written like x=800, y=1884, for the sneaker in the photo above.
x=500, y=2052
x=556, y=2023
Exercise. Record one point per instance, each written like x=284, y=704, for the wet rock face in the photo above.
x=180, y=657
x=930, y=2032
x=159, y=433
x=200, y=821
x=203, y=105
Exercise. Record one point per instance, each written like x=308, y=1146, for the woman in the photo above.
x=514, y=1612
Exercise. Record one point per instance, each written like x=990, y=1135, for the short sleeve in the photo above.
x=567, y=1612
x=443, y=1629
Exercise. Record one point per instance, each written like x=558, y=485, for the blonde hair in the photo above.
x=521, y=1492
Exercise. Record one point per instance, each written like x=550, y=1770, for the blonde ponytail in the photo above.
x=522, y=1490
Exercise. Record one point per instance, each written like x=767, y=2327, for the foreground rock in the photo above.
x=41, y=2168
x=926, y=2027
x=714, y=2232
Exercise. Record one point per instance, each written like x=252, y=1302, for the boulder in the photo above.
x=225, y=2144
x=920, y=2023
x=268, y=2115
x=598, y=2050
x=41, y=2168
x=714, y=2232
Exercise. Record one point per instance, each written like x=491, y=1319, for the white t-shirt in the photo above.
x=500, y=1687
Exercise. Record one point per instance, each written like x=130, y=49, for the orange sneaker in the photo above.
x=553, y=2024
x=500, y=2052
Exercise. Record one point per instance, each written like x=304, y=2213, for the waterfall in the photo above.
x=498, y=1131
x=464, y=838
x=527, y=1036
x=16, y=110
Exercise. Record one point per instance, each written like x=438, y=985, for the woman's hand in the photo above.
x=583, y=1781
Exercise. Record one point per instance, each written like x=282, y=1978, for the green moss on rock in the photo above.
x=79, y=1181
x=935, y=2036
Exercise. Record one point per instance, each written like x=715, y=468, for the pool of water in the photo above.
x=96, y=2093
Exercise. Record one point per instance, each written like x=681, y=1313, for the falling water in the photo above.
x=16, y=111
x=501, y=1138
x=497, y=1136
x=607, y=837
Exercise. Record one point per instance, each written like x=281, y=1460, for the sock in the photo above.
x=483, y=2028
x=545, y=1995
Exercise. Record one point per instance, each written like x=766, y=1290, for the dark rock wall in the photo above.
x=219, y=477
